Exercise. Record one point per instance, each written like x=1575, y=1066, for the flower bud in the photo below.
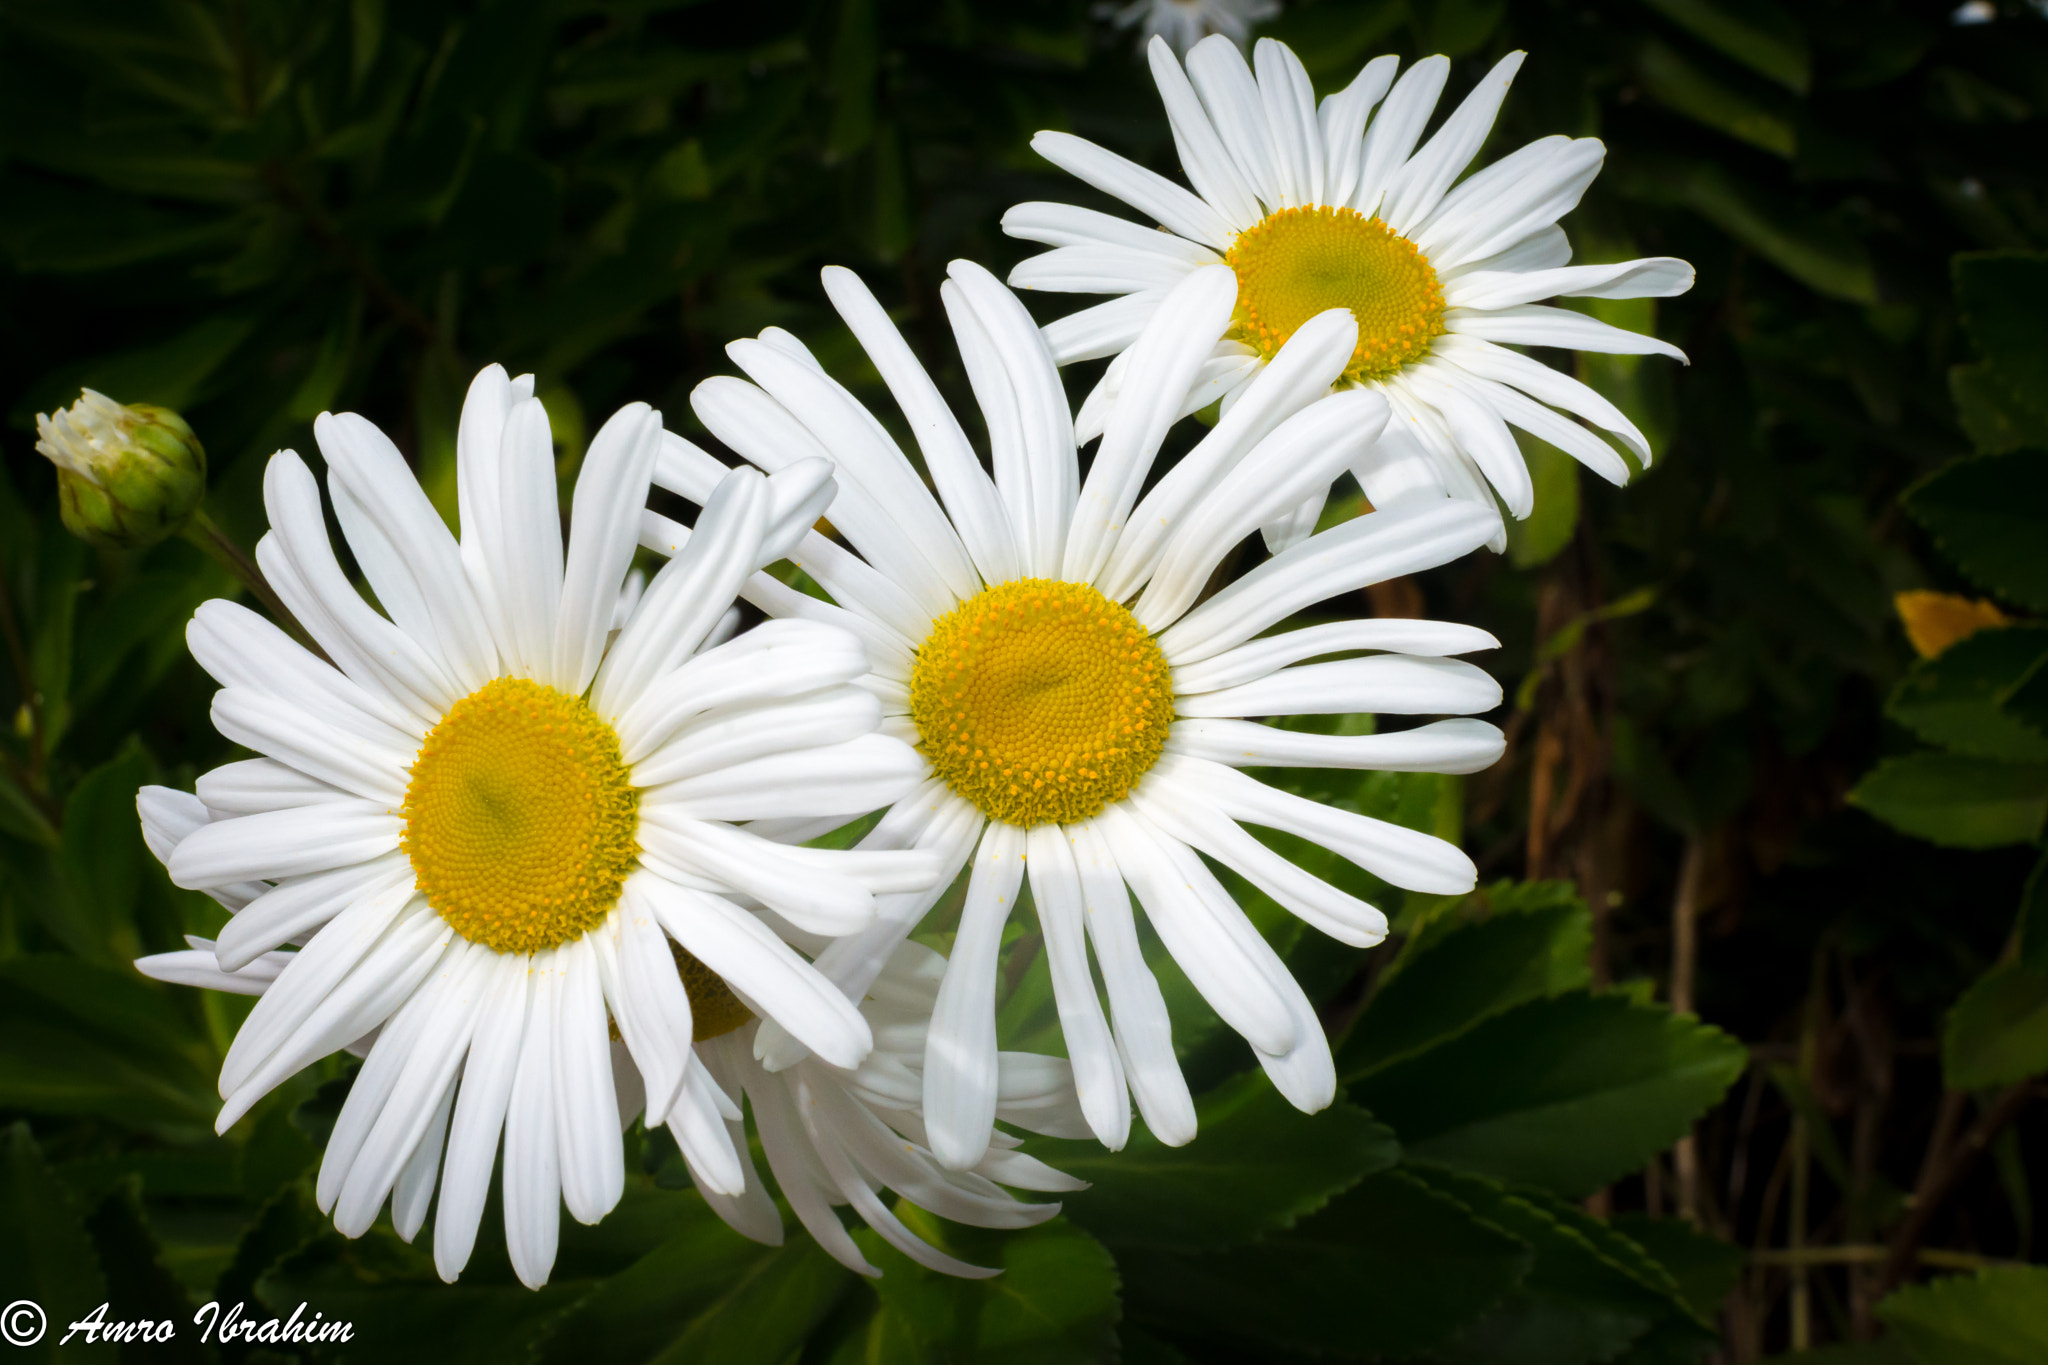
x=127, y=476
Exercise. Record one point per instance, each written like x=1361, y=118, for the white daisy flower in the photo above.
x=1039, y=637
x=831, y=1136
x=1183, y=23
x=836, y=1137
x=484, y=822
x=1321, y=206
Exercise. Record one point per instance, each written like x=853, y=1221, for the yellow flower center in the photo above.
x=1040, y=701
x=1298, y=262
x=520, y=818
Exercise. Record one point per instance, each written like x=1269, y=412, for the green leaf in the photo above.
x=2032, y=922
x=697, y=1282
x=76, y=1038
x=1591, y=1293
x=1686, y=89
x=1995, y=1317
x=46, y=1256
x=1391, y=1268
x=1989, y=515
x=1810, y=247
x=1056, y=1300
x=103, y=855
x=1995, y=414
x=1957, y=801
x=1536, y=539
x=2002, y=296
x=1256, y=1166
x=1997, y=1033
x=1567, y=1093
x=1763, y=38
x=1445, y=983
x=1704, y=1267
x=1953, y=699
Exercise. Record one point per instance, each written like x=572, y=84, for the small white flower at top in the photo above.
x=1325, y=206
x=1183, y=23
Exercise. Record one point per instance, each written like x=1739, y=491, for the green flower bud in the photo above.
x=127, y=476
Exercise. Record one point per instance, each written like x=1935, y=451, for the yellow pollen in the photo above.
x=1040, y=701
x=1298, y=262
x=520, y=819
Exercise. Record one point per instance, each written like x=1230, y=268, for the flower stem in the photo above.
x=203, y=531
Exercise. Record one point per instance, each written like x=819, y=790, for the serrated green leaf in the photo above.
x=1257, y=1165
x=1450, y=981
x=1993, y=412
x=1591, y=1293
x=1989, y=515
x=1957, y=801
x=1953, y=699
x=1997, y=1033
x=46, y=1256
x=1055, y=1301
x=1703, y=1266
x=1566, y=1093
x=1995, y=1317
x=2002, y=296
x=1391, y=1268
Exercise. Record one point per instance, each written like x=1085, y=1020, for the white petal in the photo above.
x=1299, y=373
x=241, y=649
x=297, y=907
x=1255, y=660
x=1404, y=857
x=728, y=736
x=414, y=1192
x=1385, y=684
x=586, y=1115
x=480, y=1109
x=199, y=967
x=1092, y=333
x=1290, y=104
x=533, y=1172
x=1651, y=277
x=964, y=486
x=1510, y=200
x=1415, y=192
x=1160, y=368
x=1532, y=324
x=1153, y=195
x=1541, y=382
x=1039, y=487
x=403, y=547
x=1392, y=134
x=803, y=889
x=1479, y=432
x=1369, y=549
x=775, y=661
x=857, y=775
x=604, y=520
x=688, y=595
x=960, y=1054
x=303, y=739
x=284, y=843
x=1202, y=155
x=1207, y=935
x=1098, y=1074
x=1096, y=268
x=1299, y=457
x=1230, y=95
x=511, y=521
x=1343, y=117
x=762, y=969
x=1444, y=746
x=1144, y=1033
x=253, y=785
x=647, y=999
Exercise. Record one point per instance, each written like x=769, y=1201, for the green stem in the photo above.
x=206, y=533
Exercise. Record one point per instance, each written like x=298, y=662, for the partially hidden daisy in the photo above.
x=838, y=1137
x=831, y=1136
x=1183, y=23
x=1333, y=206
x=1080, y=717
x=502, y=823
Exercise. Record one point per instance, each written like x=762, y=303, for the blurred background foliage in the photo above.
x=1733, y=792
